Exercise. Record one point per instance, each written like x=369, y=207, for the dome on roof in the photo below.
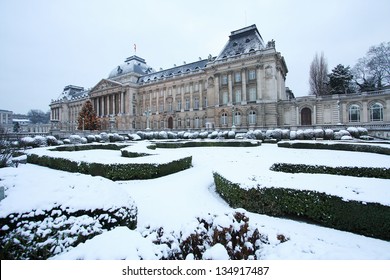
x=132, y=64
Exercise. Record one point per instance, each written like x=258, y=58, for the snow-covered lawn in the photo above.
x=173, y=202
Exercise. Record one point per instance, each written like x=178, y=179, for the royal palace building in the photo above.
x=242, y=88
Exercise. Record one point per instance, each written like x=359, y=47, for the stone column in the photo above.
x=230, y=88
x=259, y=76
x=216, y=90
x=191, y=96
x=200, y=95
x=243, y=84
x=297, y=114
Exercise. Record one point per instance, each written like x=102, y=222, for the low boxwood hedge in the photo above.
x=342, y=146
x=129, y=171
x=370, y=172
x=75, y=148
x=45, y=233
x=369, y=219
x=190, y=144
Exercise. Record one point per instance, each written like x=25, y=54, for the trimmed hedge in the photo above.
x=115, y=172
x=369, y=172
x=336, y=146
x=189, y=144
x=369, y=219
x=129, y=154
x=76, y=148
x=43, y=234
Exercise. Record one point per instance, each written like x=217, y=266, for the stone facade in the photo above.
x=241, y=88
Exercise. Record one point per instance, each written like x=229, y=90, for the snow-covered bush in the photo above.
x=66, y=141
x=141, y=134
x=203, y=134
x=237, y=239
x=98, y=138
x=194, y=135
x=346, y=137
x=171, y=135
x=75, y=139
x=51, y=140
x=231, y=134
x=308, y=134
x=276, y=134
x=353, y=131
x=84, y=140
x=328, y=134
x=318, y=133
x=285, y=134
x=259, y=134
x=134, y=137
x=213, y=134
x=27, y=141
x=180, y=134
x=362, y=131
x=250, y=135
x=91, y=138
x=104, y=137
x=40, y=141
x=293, y=135
x=268, y=134
x=300, y=134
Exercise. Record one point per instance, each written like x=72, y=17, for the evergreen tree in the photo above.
x=340, y=80
x=87, y=119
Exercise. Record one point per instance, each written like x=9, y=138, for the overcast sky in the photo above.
x=46, y=45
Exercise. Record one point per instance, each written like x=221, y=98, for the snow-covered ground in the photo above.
x=175, y=201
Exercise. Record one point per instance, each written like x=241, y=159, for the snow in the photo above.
x=175, y=201
x=217, y=252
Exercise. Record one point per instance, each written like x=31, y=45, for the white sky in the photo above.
x=46, y=45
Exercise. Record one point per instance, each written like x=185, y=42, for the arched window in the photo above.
x=376, y=112
x=224, y=118
x=237, y=118
x=252, y=117
x=354, y=113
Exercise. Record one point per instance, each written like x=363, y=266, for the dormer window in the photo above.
x=247, y=40
x=235, y=44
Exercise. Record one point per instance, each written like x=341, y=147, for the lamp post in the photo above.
x=233, y=113
x=147, y=114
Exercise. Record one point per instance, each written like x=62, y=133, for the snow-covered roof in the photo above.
x=169, y=73
x=133, y=64
x=242, y=41
x=72, y=92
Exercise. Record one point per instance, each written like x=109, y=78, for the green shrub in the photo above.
x=368, y=148
x=370, y=172
x=129, y=171
x=369, y=219
x=75, y=148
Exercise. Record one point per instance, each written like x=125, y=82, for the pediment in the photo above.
x=105, y=84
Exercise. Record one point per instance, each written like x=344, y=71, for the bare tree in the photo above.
x=318, y=79
x=372, y=72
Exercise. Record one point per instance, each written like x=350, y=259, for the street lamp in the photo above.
x=147, y=114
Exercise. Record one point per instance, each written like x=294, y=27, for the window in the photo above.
x=354, y=113
x=376, y=112
x=187, y=88
x=179, y=123
x=237, y=77
x=238, y=95
x=205, y=102
x=237, y=118
x=188, y=122
x=252, y=75
x=225, y=97
x=161, y=109
x=224, y=80
x=252, y=94
x=196, y=103
x=187, y=103
x=224, y=118
x=196, y=122
x=196, y=87
x=179, y=105
x=252, y=117
x=162, y=124
x=170, y=106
